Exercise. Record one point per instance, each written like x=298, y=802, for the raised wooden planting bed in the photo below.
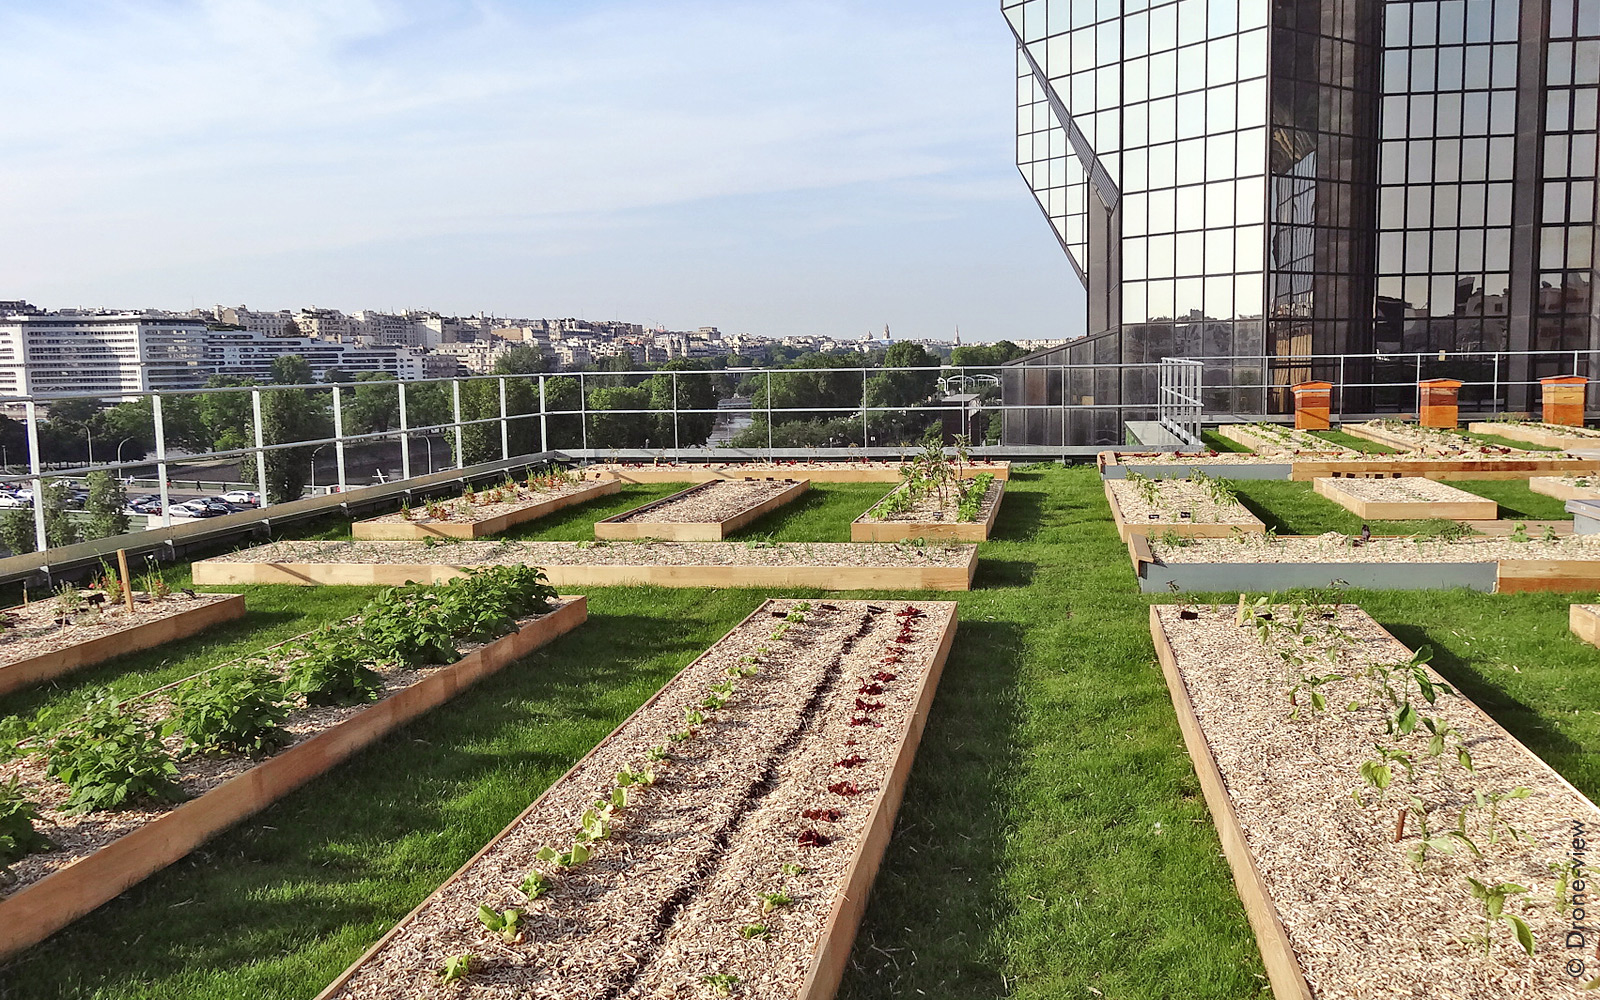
x=927, y=519
x=1281, y=440
x=481, y=518
x=1584, y=620
x=1259, y=564
x=1240, y=466
x=819, y=565
x=1156, y=507
x=1341, y=902
x=36, y=646
x=1406, y=498
x=785, y=781
x=1549, y=435
x=817, y=472
x=706, y=512
x=116, y=850
x=1567, y=487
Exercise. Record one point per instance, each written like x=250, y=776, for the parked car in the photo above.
x=150, y=503
x=15, y=500
x=200, y=507
x=249, y=498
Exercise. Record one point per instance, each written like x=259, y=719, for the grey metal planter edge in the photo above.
x=1155, y=578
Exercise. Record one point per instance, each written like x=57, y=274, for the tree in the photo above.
x=290, y=329
x=287, y=416
x=522, y=361
x=619, y=430
x=16, y=527
x=904, y=388
x=107, y=505
x=985, y=355
x=696, y=390
x=372, y=409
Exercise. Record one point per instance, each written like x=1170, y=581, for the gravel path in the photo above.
x=1364, y=922
x=662, y=903
x=709, y=503
x=603, y=553
x=34, y=629
x=1334, y=547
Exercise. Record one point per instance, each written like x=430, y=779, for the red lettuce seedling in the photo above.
x=863, y=720
x=829, y=815
x=812, y=838
x=883, y=675
x=850, y=761
x=868, y=706
x=845, y=788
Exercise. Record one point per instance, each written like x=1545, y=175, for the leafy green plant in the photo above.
x=457, y=967
x=1309, y=683
x=535, y=885
x=565, y=859
x=325, y=670
x=1488, y=805
x=409, y=628
x=721, y=982
x=1493, y=898
x=793, y=869
x=772, y=900
x=1520, y=532
x=112, y=758
x=18, y=838
x=233, y=709
x=749, y=931
x=506, y=923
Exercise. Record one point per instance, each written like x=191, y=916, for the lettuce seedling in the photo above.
x=772, y=900
x=565, y=859
x=535, y=885
x=721, y=982
x=789, y=869
x=749, y=931
x=456, y=967
x=506, y=923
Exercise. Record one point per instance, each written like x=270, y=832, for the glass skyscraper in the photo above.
x=1265, y=180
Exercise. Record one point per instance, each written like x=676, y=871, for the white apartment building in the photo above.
x=108, y=355
x=479, y=356
x=250, y=355
x=383, y=329
x=324, y=324
x=271, y=324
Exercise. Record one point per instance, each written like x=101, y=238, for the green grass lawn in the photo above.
x=1216, y=442
x=1052, y=842
x=1506, y=442
x=1295, y=508
x=1358, y=443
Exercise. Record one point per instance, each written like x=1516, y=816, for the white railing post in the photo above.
x=544, y=425
x=40, y=539
x=677, y=455
x=583, y=414
x=866, y=432
x=1419, y=386
x=769, y=416
x=261, y=451
x=455, y=407
x=505, y=432
x=161, y=460
x=338, y=435
x=405, y=439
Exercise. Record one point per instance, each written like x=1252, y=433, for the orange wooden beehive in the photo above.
x=1563, y=399
x=1438, y=407
x=1312, y=402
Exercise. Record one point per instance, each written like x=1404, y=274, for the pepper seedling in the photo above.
x=1494, y=899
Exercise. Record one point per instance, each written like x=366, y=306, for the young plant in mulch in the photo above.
x=111, y=758
x=1494, y=898
x=457, y=967
x=18, y=838
x=235, y=709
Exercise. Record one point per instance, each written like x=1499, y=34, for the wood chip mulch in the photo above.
x=608, y=553
x=929, y=510
x=1363, y=920
x=708, y=503
x=665, y=901
x=78, y=836
x=484, y=505
x=40, y=627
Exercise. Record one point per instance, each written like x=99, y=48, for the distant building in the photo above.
x=272, y=324
x=109, y=355
x=242, y=353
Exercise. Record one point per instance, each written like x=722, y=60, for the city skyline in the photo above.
x=803, y=169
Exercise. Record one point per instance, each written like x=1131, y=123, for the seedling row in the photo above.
x=720, y=842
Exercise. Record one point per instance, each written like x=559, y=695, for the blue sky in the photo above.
x=770, y=167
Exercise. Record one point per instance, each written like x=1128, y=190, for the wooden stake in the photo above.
x=127, y=584
x=1238, y=619
x=1400, y=826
